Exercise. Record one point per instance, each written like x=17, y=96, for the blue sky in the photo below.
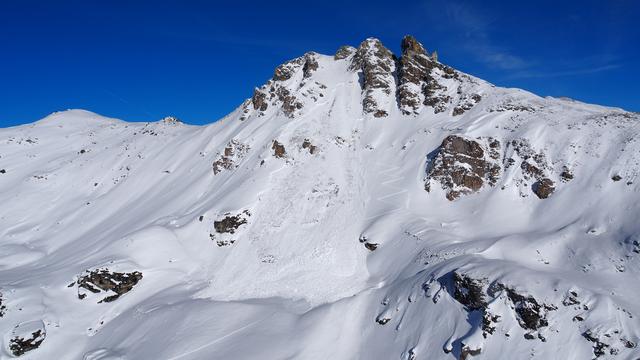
x=198, y=60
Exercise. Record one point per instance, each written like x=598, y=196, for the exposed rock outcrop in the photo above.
x=469, y=292
x=377, y=64
x=371, y=246
x=344, y=52
x=535, y=169
x=566, y=175
x=103, y=280
x=26, y=337
x=171, y=121
x=607, y=343
x=543, y=188
x=477, y=293
x=227, y=226
x=465, y=103
x=231, y=156
x=530, y=314
x=462, y=165
x=421, y=79
x=278, y=149
x=282, y=90
x=306, y=144
x=259, y=100
x=409, y=83
x=414, y=65
x=3, y=307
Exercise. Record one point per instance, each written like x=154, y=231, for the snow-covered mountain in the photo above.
x=359, y=206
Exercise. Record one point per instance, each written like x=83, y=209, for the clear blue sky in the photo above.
x=198, y=60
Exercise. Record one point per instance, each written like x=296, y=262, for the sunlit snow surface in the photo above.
x=83, y=192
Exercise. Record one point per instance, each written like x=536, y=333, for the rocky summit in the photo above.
x=358, y=205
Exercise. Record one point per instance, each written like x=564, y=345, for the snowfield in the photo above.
x=358, y=206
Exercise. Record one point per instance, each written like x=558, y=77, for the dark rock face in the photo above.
x=543, y=188
x=306, y=144
x=571, y=299
x=377, y=64
x=259, y=100
x=535, y=168
x=409, y=45
x=463, y=165
x=476, y=293
x=20, y=345
x=599, y=347
x=103, y=280
x=530, y=170
x=488, y=323
x=607, y=343
x=466, y=103
x=419, y=79
x=310, y=65
x=344, y=52
x=229, y=224
x=232, y=154
x=278, y=93
x=285, y=71
x=566, y=175
x=370, y=246
x=3, y=307
x=531, y=315
x=289, y=102
x=469, y=292
x=414, y=66
x=278, y=149
x=466, y=352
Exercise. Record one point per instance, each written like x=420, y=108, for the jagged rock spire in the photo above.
x=410, y=45
x=344, y=52
x=419, y=78
x=378, y=66
x=281, y=90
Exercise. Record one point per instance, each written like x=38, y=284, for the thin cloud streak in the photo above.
x=584, y=71
x=475, y=27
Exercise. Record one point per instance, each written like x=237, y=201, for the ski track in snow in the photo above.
x=230, y=334
x=391, y=191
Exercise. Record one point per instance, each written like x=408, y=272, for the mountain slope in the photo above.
x=360, y=205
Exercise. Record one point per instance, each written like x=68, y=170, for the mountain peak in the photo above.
x=410, y=44
x=410, y=84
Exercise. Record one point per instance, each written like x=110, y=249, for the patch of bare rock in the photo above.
x=228, y=225
x=105, y=281
x=231, y=156
x=462, y=165
x=27, y=337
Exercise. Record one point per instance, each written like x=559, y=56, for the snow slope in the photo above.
x=300, y=225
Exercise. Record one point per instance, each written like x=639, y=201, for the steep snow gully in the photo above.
x=358, y=206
